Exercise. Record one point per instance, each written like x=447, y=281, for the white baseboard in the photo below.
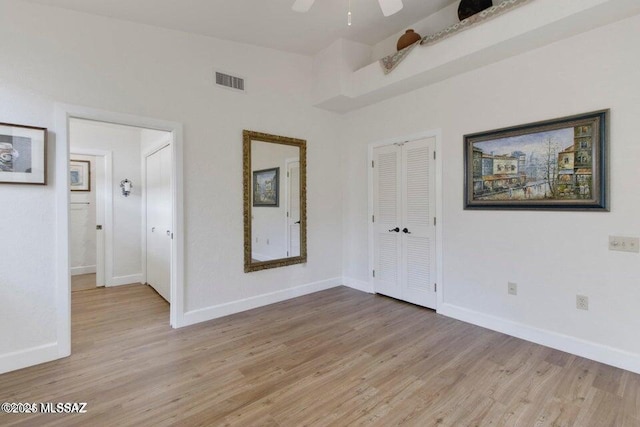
x=29, y=357
x=360, y=285
x=213, y=312
x=87, y=269
x=588, y=349
x=125, y=280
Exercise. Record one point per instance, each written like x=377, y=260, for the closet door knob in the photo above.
x=406, y=230
x=397, y=230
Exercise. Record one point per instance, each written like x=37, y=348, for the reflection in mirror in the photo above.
x=274, y=201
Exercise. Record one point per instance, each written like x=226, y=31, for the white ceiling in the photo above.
x=268, y=23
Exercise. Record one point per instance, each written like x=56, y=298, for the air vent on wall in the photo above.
x=229, y=81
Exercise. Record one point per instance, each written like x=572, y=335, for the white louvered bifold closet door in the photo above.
x=386, y=220
x=418, y=243
x=404, y=194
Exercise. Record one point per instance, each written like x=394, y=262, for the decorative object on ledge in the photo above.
x=23, y=154
x=79, y=175
x=389, y=63
x=126, y=187
x=469, y=8
x=557, y=164
x=407, y=39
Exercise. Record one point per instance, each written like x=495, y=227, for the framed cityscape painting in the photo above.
x=23, y=154
x=557, y=164
x=266, y=187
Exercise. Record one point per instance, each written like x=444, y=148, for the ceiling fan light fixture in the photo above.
x=302, y=5
x=389, y=7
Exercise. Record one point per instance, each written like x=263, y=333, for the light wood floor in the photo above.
x=338, y=357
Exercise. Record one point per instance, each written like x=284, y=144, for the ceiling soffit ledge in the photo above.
x=535, y=24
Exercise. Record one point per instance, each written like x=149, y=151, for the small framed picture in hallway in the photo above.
x=80, y=175
x=557, y=164
x=23, y=154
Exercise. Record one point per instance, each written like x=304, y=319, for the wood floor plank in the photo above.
x=335, y=358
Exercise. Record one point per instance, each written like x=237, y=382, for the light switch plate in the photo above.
x=624, y=244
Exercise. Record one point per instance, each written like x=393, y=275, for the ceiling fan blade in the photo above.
x=389, y=7
x=302, y=5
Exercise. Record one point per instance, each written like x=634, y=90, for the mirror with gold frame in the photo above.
x=275, y=200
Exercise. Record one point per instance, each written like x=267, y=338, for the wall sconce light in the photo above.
x=126, y=186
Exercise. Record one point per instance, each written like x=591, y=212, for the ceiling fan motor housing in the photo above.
x=469, y=8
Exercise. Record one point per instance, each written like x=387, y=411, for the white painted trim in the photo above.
x=29, y=357
x=437, y=134
x=125, y=280
x=108, y=208
x=62, y=255
x=62, y=113
x=216, y=311
x=287, y=203
x=588, y=349
x=359, y=285
x=87, y=269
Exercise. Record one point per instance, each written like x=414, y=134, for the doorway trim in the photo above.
x=287, y=198
x=437, y=134
x=63, y=113
x=106, y=257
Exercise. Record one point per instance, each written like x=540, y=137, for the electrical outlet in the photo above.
x=582, y=302
x=624, y=244
x=512, y=288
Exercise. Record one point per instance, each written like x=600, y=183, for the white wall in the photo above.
x=82, y=224
x=27, y=317
x=552, y=256
x=124, y=142
x=151, y=140
x=62, y=56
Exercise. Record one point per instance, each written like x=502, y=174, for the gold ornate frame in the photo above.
x=247, y=137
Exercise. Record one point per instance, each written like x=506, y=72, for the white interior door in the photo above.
x=100, y=220
x=293, y=209
x=386, y=221
x=404, y=221
x=158, y=212
x=418, y=225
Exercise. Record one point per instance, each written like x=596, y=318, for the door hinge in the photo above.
x=373, y=218
x=171, y=236
x=287, y=253
x=434, y=221
x=371, y=163
x=434, y=155
x=287, y=174
x=98, y=227
x=374, y=273
x=435, y=287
